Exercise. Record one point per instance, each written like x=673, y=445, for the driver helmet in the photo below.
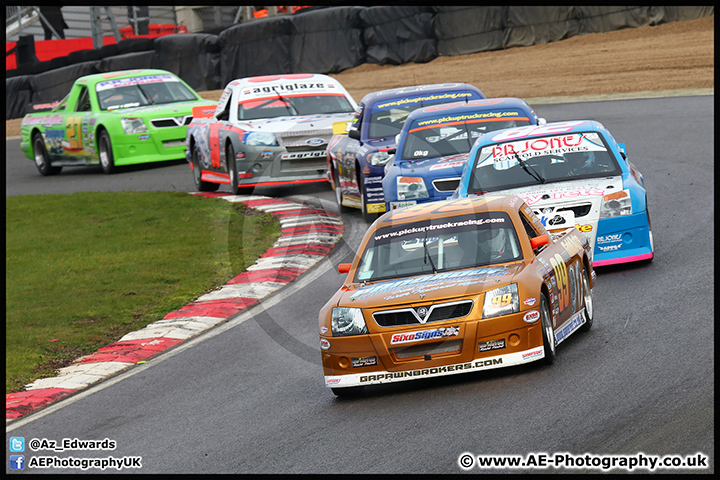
x=581, y=160
x=493, y=240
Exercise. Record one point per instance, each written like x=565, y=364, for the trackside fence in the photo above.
x=330, y=40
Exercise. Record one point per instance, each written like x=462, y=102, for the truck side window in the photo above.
x=529, y=227
x=83, y=103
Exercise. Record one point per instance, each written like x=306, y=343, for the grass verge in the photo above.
x=84, y=269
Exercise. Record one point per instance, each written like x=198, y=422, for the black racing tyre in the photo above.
x=652, y=246
x=42, y=158
x=201, y=185
x=368, y=217
x=587, y=305
x=548, y=334
x=338, y=191
x=232, y=172
x=107, y=160
x=347, y=392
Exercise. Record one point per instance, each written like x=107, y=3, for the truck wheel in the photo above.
x=652, y=247
x=588, y=310
x=338, y=191
x=42, y=159
x=201, y=185
x=548, y=333
x=107, y=161
x=232, y=171
x=368, y=217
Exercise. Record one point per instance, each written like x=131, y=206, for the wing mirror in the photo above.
x=344, y=267
x=538, y=242
x=391, y=151
x=354, y=133
x=623, y=150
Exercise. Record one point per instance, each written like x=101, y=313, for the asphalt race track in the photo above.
x=249, y=397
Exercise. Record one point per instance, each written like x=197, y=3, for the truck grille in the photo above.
x=578, y=210
x=448, y=346
x=435, y=313
x=171, y=121
x=305, y=140
x=446, y=184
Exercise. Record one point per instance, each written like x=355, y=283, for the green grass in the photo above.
x=84, y=269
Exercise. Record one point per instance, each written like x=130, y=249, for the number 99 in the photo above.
x=502, y=300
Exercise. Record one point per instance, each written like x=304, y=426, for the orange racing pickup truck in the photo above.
x=455, y=286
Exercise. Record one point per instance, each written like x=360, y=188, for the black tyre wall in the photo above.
x=398, y=34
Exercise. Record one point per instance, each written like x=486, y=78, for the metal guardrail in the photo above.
x=24, y=17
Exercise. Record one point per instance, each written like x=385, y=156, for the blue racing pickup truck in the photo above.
x=356, y=159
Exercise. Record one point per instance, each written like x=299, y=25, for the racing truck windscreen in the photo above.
x=292, y=105
x=444, y=244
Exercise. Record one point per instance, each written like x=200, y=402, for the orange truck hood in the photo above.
x=431, y=287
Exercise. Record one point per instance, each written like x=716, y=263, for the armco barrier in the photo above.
x=329, y=40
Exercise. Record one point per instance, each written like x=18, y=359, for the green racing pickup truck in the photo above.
x=112, y=119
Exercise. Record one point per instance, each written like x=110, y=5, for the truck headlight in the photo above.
x=616, y=204
x=347, y=321
x=378, y=159
x=411, y=187
x=261, y=139
x=501, y=301
x=132, y=126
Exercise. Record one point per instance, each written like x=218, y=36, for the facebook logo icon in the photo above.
x=17, y=462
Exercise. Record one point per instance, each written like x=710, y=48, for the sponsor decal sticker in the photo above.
x=48, y=120
x=533, y=353
x=364, y=361
x=440, y=97
x=54, y=133
x=532, y=316
x=298, y=155
x=375, y=207
x=134, y=81
x=617, y=237
x=406, y=337
x=441, y=166
x=569, y=327
x=532, y=199
x=324, y=344
x=491, y=345
x=369, y=180
x=433, y=371
x=530, y=301
x=417, y=285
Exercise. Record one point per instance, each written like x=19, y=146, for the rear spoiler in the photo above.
x=41, y=107
x=203, y=111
